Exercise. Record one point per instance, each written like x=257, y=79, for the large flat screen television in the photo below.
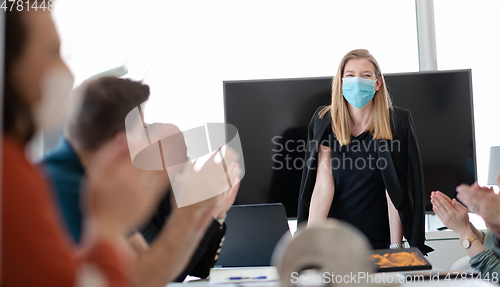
x=272, y=117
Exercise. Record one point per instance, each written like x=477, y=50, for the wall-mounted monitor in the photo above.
x=272, y=117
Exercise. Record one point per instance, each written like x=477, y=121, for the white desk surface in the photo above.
x=430, y=234
x=437, y=283
x=442, y=283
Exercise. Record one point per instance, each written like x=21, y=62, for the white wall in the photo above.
x=195, y=45
x=192, y=46
x=467, y=37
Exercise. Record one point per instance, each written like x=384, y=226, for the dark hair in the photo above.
x=17, y=115
x=103, y=106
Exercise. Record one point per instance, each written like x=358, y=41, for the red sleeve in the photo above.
x=105, y=257
x=35, y=249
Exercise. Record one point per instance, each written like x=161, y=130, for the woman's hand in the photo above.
x=453, y=214
x=483, y=201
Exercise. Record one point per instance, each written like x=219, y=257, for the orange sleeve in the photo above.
x=35, y=249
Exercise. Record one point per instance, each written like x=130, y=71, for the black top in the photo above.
x=208, y=249
x=402, y=177
x=359, y=197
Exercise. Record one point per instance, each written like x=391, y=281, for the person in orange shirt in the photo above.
x=35, y=250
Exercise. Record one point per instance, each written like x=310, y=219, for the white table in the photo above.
x=205, y=283
x=437, y=283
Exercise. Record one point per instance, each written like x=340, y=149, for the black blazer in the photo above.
x=403, y=176
x=204, y=257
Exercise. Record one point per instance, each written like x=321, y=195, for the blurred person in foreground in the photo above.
x=36, y=251
x=98, y=120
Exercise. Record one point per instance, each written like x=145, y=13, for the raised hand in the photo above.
x=211, y=189
x=453, y=214
x=119, y=196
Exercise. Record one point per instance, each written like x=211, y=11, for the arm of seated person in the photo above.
x=138, y=243
x=479, y=235
x=170, y=253
x=487, y=263
x=206, y=253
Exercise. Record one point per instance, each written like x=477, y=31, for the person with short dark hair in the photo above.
x=104, y=107
x=99, y=117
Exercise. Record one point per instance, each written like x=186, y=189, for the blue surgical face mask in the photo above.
x=358, y=91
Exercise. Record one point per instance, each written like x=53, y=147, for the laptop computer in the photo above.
x=252, y=234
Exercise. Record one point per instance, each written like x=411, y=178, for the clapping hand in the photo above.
x=119, y=195
x=209, y=182
x=453, y=214
x=483, y=201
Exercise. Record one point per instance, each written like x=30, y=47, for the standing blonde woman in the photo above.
x=363, y=160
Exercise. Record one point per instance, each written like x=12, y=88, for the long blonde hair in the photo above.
x=379, y=125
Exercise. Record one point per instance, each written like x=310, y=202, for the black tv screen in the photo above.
x=272, y=117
